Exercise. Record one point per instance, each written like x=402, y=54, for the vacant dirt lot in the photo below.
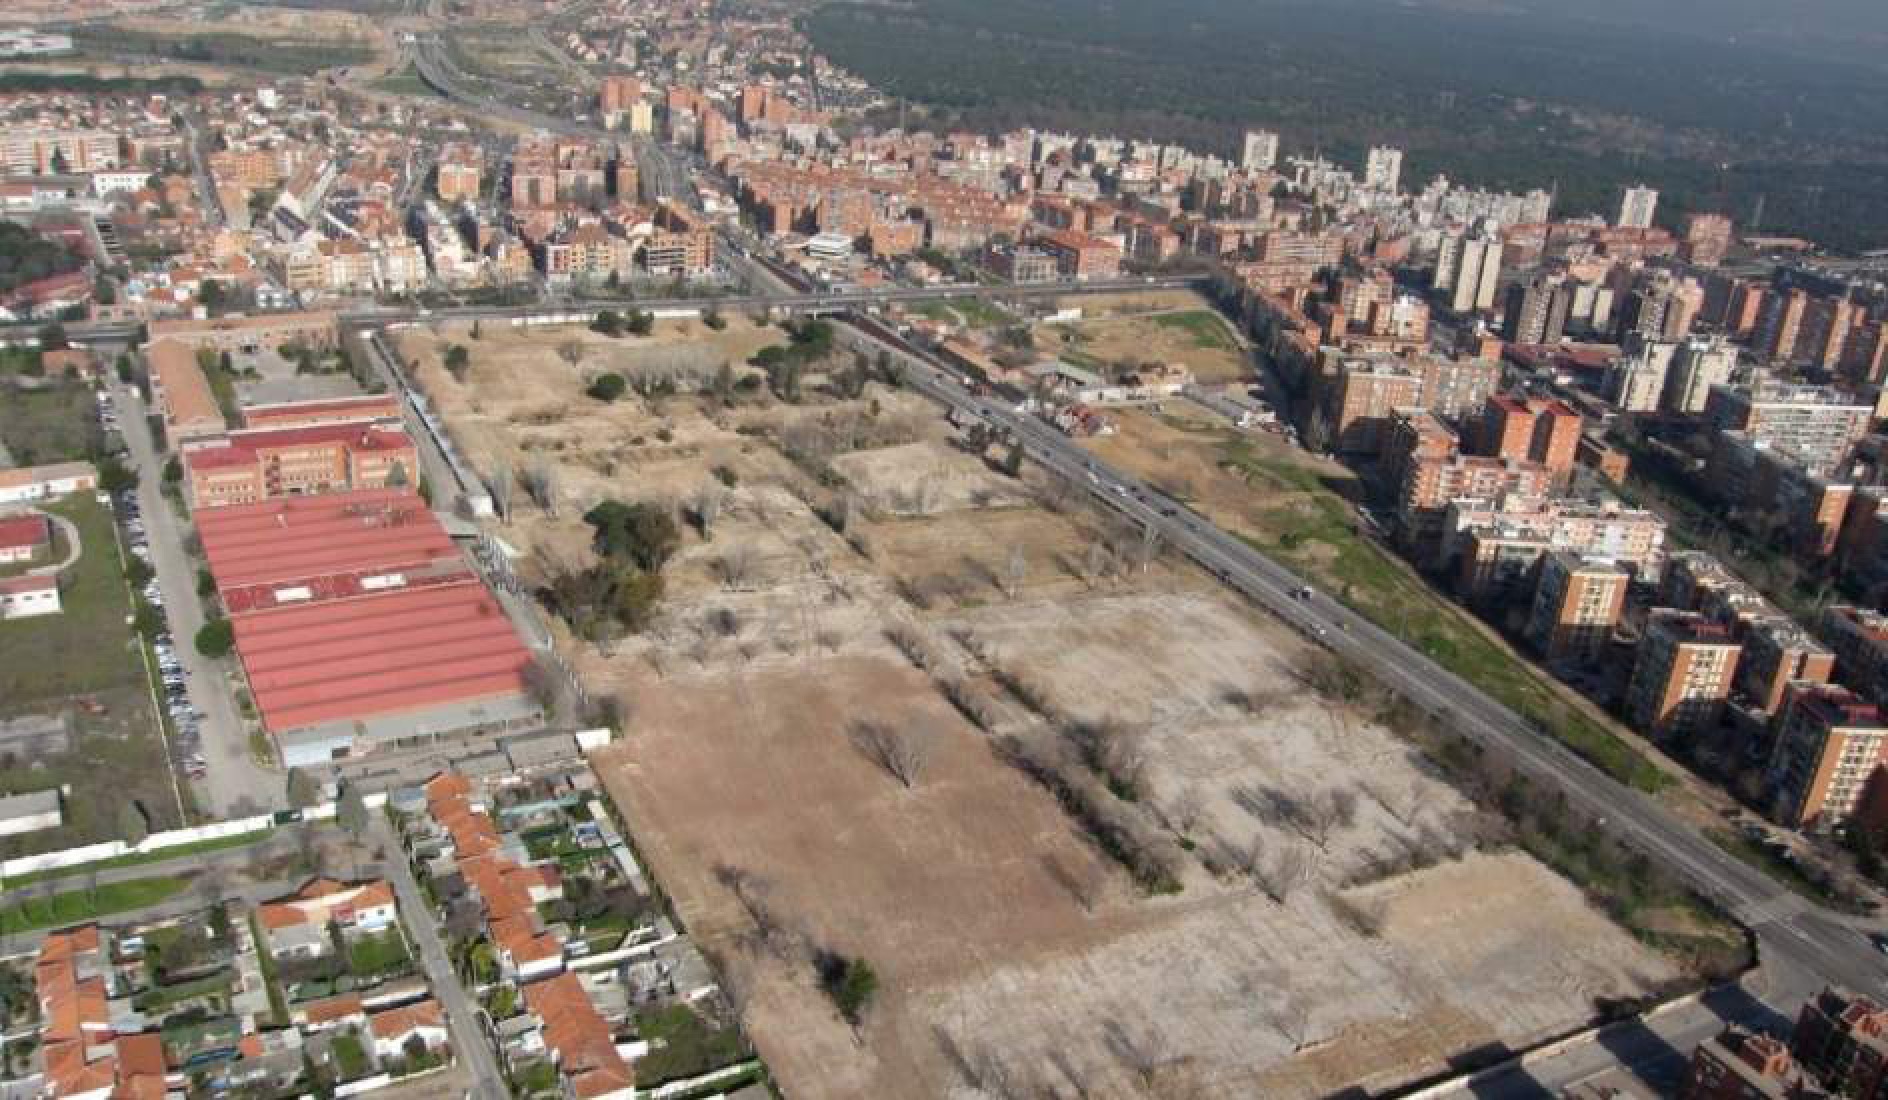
x=1314, y=860
x=522, y=405
x=925, y=479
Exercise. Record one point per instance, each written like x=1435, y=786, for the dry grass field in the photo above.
x=1163, y=327
x=1322, y=918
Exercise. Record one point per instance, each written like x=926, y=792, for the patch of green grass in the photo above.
x=535, y=1079
x=404, y=81
x=181, y=851
x=78, y=906
x=685, y=1046
x=1203, y=325
x=350, y=1056
x=163, y=997
x=54, y=421
x=1784, y=871
x=379, y=956
x=87, y=647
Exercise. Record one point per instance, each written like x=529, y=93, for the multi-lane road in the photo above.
x=835, y=301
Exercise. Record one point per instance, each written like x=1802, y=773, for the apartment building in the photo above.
x=1081, y=255
x=1746, y=1065
x=1859, y=639
x=1820, y=423
x=1686, y=665
x=1431, y=485
x=1576, y=606
x=246, y=466
x=47, y=151
x=1697, y=365
x=1542, y=430
x=1828, y=748
x=460, y=172
x=1357, y=394
x=1707, y=239
x=1778, y=652
x=1841, y=1038
x=1415, y=435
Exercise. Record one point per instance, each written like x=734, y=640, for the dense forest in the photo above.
x=33, y=82
x=284, y=55
x=1510, y=101
x=25, y=256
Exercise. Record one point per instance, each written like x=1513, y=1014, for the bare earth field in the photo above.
x=1334, y=922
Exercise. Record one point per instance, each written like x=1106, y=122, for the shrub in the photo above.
x=607, y=387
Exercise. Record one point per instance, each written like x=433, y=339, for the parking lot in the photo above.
x=185, y=720
x=210, y=742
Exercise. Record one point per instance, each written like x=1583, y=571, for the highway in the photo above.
x=1801, y=947
x=119, y=332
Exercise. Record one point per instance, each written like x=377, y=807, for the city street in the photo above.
x=234, y=784
x=463, y=1016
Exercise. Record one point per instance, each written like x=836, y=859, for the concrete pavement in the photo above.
x=233, y=783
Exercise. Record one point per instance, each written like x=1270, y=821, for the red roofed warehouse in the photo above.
x=358, y=623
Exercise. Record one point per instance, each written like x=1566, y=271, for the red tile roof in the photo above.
x=397, y=1023
x=356, y=605
x=17, y=531
x=586, y=1051
x=242, y=448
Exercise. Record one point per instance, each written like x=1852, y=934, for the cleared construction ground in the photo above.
x=1074, y=804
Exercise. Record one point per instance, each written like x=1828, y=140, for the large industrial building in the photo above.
x=359, y=624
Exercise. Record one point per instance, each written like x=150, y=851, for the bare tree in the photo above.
x=1291, y=1015
x=1183, y=810
x=1327, y=811
x=1365, y=916
x=705, y=507
x=1111, y=750
x=1083, y=881
x=1277, y=874
x=1143, y=1052
x=571, y=351
x=502, y=486
x=1097, y=562
x=1148, y=548
x=540, y=484
x=753, y=895
x=1015, y=572
x=736, y=564
x=900, y=750
x=1401, y=801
